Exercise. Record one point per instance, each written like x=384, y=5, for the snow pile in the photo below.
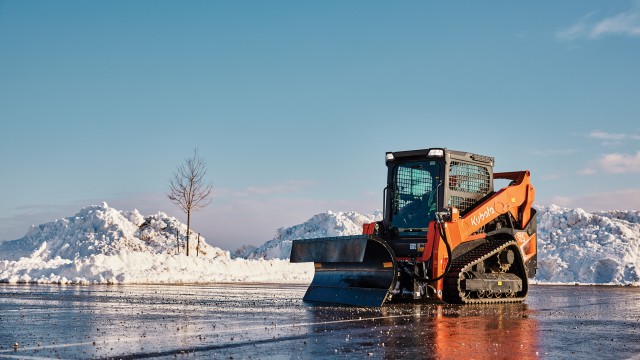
x=573, y=246
x=103, y=245
x=326, y=224
x=100, y=229
x=579, y=247
x=244, y=251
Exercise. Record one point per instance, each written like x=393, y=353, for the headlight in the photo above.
x=389, y=156
x=436, y=152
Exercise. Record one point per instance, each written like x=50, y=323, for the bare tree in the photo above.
x=188, y=188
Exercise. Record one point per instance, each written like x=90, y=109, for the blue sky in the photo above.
x=294, y=103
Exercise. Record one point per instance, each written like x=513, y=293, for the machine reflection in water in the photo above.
x=425, y=331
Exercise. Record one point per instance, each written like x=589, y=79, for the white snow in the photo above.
x=102, y=245
x=573, y=246
x=326, y=224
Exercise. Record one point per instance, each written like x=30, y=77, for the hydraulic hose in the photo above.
x=443, y=236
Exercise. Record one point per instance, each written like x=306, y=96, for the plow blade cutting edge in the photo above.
x=351, y=270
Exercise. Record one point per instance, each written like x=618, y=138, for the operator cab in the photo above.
x=423, y=182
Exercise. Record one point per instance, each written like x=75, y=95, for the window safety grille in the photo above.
x=462, y=203
x=413, y=183
x=473, y=180
x=469, y=178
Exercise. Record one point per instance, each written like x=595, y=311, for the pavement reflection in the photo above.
x=427, y=331
x=272, y=322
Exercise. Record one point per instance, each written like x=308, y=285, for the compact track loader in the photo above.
x=446, y=235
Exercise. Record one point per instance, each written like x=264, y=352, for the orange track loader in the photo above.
x=446, y=235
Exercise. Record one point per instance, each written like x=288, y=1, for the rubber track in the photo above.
x=452, y=290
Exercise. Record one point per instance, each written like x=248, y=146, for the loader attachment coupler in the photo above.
x=351, y=270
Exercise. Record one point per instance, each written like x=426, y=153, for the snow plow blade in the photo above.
x=350, y=270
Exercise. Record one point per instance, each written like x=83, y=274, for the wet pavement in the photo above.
x=272, y=322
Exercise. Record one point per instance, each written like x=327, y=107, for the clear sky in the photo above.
x=294, y=103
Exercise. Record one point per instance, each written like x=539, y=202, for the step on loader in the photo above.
x=446, y=235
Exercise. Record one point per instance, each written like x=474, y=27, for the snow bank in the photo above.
x=149, y=268
x=573, y=246
x=325, y=224
x=100, y=229
x=101, y=245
